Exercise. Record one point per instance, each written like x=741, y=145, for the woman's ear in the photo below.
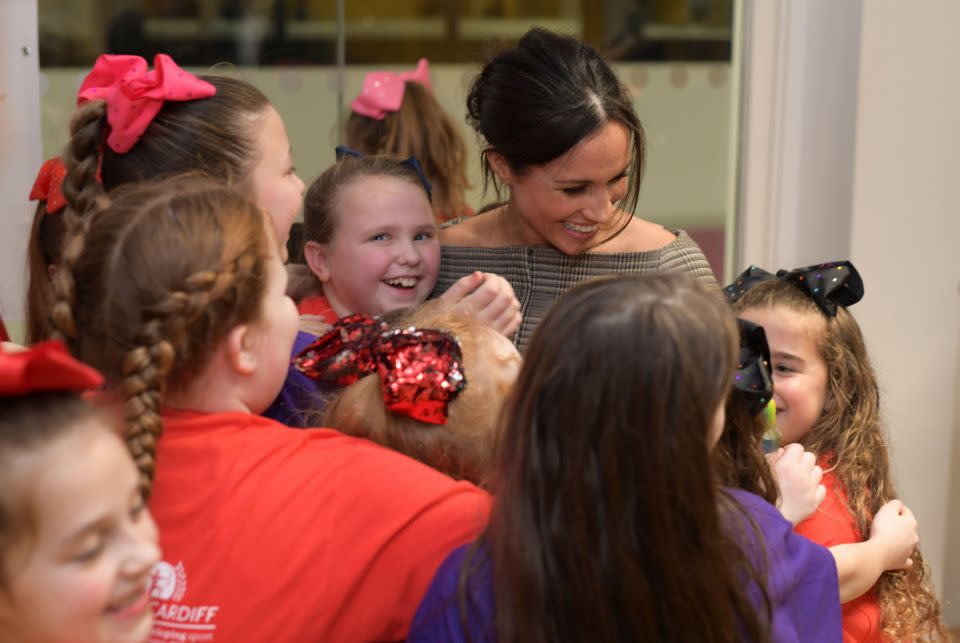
x=501, y=169
x=240, y=357
x=315, y=254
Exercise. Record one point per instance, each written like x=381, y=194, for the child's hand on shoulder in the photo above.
x=896, y=527
x=798, y=479
x=489, y=298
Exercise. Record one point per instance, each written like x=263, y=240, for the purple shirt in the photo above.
x=801, y=582
x=301, y=399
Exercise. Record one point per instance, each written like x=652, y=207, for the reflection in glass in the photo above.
x=303, y=32
x=674, y=55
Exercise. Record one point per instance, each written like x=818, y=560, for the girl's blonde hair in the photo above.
x=151, y=282
x=463, y=447
x=420, y=128
x=849, y=430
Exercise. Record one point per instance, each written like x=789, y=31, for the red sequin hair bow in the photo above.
x=46, y=187
x=44, y=367
x=134, y=94
x=420, y=369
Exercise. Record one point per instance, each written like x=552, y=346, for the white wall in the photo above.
x=20, y=153
x=851, y=148
x=905, y=238
x=799, y=106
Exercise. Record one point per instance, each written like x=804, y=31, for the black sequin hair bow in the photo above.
x=343, y=151
x=753, y=380
x=420, y=368
x=829, y=284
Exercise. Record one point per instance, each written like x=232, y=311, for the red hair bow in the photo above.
x=134, y=95
x=44, y=367
x=46, y=187
x=420, y=369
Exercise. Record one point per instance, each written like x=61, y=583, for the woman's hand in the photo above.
x=895, y=527
x=798, y=479
x=487, y=297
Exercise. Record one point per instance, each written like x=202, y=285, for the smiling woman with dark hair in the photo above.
x=562, y=136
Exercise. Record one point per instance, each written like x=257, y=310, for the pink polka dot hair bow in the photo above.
x=420, y=368
x=135, y=94
x=44, y=367
x=383, y=90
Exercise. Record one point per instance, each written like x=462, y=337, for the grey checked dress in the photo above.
x=540, y=274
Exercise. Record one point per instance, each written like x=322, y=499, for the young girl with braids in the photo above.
x=828, y=401
x=176, y=292
x=459, y=441
x=133, y=124
x=398, y=114
x=605, y=526
x=77, y=543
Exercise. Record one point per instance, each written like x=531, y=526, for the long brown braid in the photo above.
x=152, y=283
x=850, y=431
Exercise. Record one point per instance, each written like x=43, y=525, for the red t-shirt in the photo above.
x=832, y=524
x=318, y=305
x=277, y=534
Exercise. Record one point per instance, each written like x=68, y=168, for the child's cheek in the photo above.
x=90, y=595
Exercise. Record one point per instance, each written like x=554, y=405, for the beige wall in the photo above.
x=906, y=231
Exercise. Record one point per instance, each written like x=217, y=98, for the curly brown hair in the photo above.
x=151, y=282
x=850, y=432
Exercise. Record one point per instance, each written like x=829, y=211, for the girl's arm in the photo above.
x=893, y=538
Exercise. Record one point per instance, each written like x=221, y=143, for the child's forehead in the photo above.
x=367, y=184
x=50, y=472
x=780, y=320
x=383, y=197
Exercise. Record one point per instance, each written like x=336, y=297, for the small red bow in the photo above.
x=134, y=95
x=44, y=367
x=47, y=185
x=420, y=369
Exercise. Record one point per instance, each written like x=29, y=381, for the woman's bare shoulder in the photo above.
x=477, y=231
x=639, y=236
